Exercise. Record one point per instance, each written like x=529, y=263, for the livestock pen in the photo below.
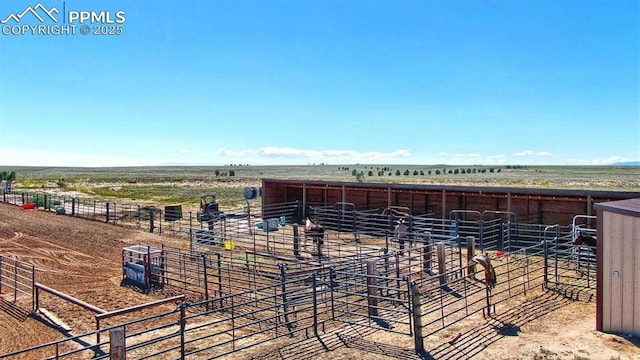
x=247, y=286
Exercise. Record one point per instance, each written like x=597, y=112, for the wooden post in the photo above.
x=371, y=288
x=426, y=254
x=73, y=206
x=183, y=326
x=151, y=220
x=37, y=299
x=471, y=252
x=441, y=263
x=417, y=318
x=285, y=302
x=107, y=220
x=117, y=344
x=296, y=241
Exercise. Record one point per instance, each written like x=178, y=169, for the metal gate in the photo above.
x=16, y=285
x=569, y=268
x=371, y=294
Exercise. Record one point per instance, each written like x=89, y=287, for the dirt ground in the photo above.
x=83, y=258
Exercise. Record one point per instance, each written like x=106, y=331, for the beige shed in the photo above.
x=618, y=264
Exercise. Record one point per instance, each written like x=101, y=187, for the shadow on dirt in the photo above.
x=465, y=346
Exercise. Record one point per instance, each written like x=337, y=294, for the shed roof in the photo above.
x=626, y=207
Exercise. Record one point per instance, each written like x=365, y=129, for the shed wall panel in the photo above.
x=628, y=277
x=615, y=260
x=626, y=274
x=621, y=274
x=607, y=224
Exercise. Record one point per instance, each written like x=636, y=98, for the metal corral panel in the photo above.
x=618, y=292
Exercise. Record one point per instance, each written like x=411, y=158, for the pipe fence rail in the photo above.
x=17, y=282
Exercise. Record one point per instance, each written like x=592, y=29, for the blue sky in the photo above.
x=339, y=82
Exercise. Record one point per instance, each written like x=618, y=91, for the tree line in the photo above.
x=388, y=171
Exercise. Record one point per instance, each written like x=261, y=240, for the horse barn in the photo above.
x=530, y=205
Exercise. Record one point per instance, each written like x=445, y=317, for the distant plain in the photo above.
x=185, y=184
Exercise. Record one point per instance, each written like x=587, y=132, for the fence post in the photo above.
x=98, y=332
x=190, y=232
x=219, y=261
x=426, y=255
x=296, y=241
x=15, y=280
x=183, y=325
x=417, y=318
x=546, y=263
x=332, y=281
x=471, y=252
x=371, y=288
x=37, y=294
x=151, y=220
x=0, y=274
x=73, y=206
x=33, y=287
x=315, y=305
x=441, y=263
x=117, y=344
x=481, y=234
x=285, y=306
x=206, y=282
x=107, y=213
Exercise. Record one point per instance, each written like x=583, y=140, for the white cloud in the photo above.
x=607, y=161
x=533, y=153
x=443, y=153
x=496, y=159
x=289, y=155
x=597, y=161
x=184, y=152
